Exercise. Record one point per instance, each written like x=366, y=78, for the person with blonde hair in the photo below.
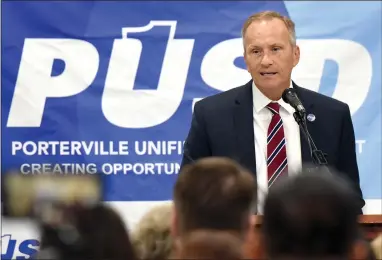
x=376, y=245
x=151, y=237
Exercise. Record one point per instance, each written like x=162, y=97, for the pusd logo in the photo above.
x=18, y=249
x=122, y=104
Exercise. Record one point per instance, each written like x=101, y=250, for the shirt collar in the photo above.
x=260, y=101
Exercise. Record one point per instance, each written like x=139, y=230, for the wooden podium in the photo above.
x=371, y=226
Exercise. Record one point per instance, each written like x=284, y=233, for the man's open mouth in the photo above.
x=267, y=73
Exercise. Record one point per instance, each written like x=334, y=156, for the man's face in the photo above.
x=269, y=54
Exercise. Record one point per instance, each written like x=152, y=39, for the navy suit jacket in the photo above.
x=222, y=125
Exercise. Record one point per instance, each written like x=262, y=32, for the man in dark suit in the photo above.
x=253, y=125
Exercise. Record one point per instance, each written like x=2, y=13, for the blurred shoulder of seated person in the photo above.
x=213, y=193
x=209, y=244
x=151, y=237
x=86, y=232
x=312, y=215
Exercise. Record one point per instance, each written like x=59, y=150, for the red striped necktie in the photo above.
x=276, y=150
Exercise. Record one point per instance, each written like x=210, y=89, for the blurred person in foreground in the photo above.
x=213, y=193
x=312, y=216
x=209, y=244
x=151, y=237
x=84, y=232
x=255, y=126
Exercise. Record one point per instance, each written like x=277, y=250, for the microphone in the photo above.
x=289, y=96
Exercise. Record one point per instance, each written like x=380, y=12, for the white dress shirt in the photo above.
x=261, y=120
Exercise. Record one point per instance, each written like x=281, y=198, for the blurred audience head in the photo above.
x=213, y=193
x=152, y=235
x=209, y=244
x=86, y=232
x=312, y=215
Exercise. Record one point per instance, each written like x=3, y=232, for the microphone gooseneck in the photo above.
x=290, y=97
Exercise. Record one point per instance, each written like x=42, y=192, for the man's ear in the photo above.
x=296, y=55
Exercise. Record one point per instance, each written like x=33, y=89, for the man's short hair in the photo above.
x=209, y=244
x=269, y=15
x=214, y=193
x=313, y=214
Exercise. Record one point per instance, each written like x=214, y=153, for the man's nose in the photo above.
x=267, y=60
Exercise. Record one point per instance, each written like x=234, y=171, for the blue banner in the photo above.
x=110, y=86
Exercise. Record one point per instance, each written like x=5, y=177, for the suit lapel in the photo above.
x=243, y=123
x=307, y=103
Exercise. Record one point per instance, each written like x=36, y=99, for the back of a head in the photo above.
x=94, y=232
x=152, y=235
x=214, y=193
x=311, y=215
x=209, y=244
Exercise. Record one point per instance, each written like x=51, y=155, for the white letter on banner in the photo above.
x=129, y=108
x=354, y=63
x=35, y=83
x=5, y=239
x=218, y=69
x=16, y=145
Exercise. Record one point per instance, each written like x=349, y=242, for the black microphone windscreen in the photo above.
x=287, y=94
